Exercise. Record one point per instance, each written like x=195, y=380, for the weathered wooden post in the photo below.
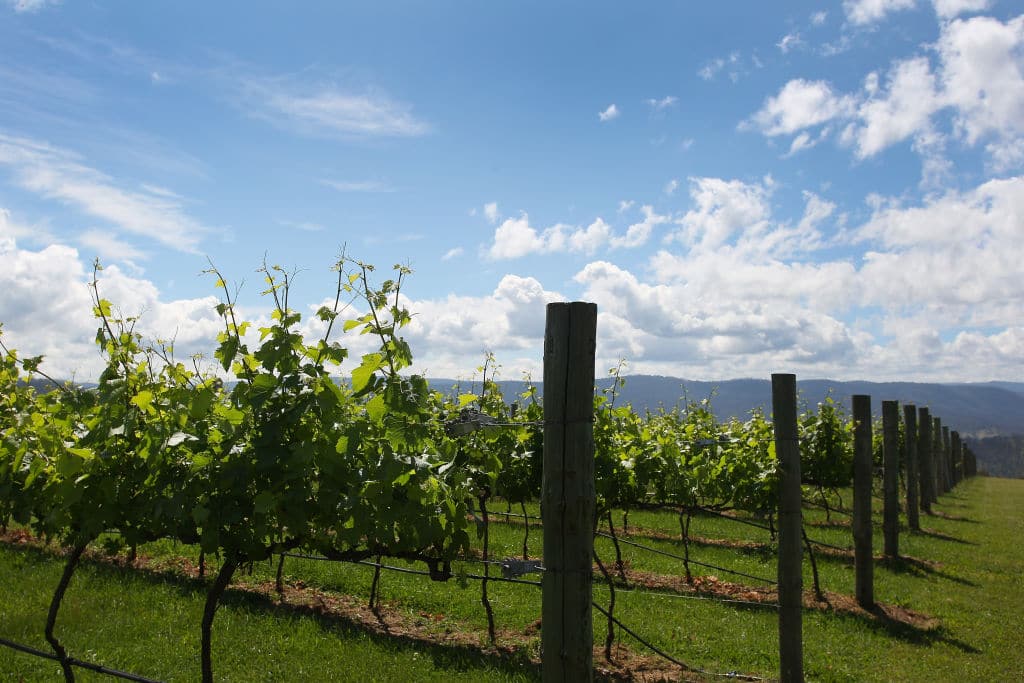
x=790, y=569
x=910, y=452
x=937, y=455
x=947, y=459
x=863, y=557
x=890, y=480
x=924, y=458
x=568, y=495
x=958, y=457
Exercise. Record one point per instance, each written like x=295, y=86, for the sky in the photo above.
x=833, y=189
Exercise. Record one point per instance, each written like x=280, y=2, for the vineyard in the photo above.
x=270, y=471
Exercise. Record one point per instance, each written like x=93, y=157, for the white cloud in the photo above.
x=815, y=211
x=638, y=234
x=799, y=104
x=978, y=75
x=515, y=238
x=53, y=173
x=109, y=248
x=790, y=41
x=1006, y=155
x=671, y=186
x=611, y=112
x=509, y=321
x=625, y=205
x=904, y=109
x=819, y=18
x=663, y=103
x=30, y=5
x=328, y=110
x=591, y=238
x=870, y=11
x=948, y=9
x=723, y=208
x=983, y=75
x=958, y=255
x=491, y=212
x=805, y=140
x=731, y=65
x=453, y=253
x=46, y=309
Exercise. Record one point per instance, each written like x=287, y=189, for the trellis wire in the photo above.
x=661, y=653
x=700, y=564
x=98, y=668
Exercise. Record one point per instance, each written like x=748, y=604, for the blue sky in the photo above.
x=832, y=189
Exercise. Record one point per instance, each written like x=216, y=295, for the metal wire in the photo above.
x=661, y=653
x=683, y=559
x=98, y=668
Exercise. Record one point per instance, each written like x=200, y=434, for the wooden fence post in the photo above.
x=890, y=485
x=568, y=492
x=947, y=459
x=863, y=558
x=924, y=458
x=937, y=455
x=958, y=457
x=790, y=567
x=910, y=474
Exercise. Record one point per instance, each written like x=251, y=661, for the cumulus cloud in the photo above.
x=799, y=104
x=862, y=12
x=509, y=321
x=491, y=212
x=611, y=112
x=722, y=208
x=47, y=309
x=983, y=75
x=975, y=70
x=947, y=9
x=516, y=238
x=637, y=234
x=901, y=110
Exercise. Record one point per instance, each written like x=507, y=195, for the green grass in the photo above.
x=148, y=623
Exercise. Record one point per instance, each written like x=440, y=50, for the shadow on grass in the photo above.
x=916, y=567
x=455, y=656
x=931, y=533
x=953, y=518
x=882, y=621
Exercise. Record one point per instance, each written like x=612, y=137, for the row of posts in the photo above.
x=936, y=460
x=935, y=457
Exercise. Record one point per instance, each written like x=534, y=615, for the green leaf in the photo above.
x=372, y=362
x=144, y=400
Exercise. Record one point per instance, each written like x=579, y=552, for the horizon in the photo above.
x=831, y=189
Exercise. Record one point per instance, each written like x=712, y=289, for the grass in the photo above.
x=966, y=570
